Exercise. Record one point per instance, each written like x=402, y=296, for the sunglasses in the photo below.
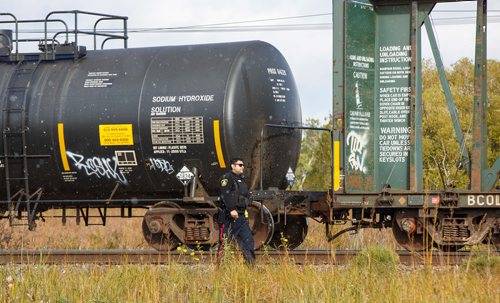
x=239, y=164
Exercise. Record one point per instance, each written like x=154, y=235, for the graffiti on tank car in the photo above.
x=162, y=165
x=358, y=150
x=99, y=167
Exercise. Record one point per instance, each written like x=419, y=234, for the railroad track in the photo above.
x=313, y=257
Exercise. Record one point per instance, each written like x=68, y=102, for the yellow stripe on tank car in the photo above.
x=62, y=146
x=336, y=165
x=218, y=147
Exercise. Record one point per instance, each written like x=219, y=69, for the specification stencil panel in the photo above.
x=177, y=130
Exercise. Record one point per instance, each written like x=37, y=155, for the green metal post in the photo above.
x=338, y=77
x=416, y=149
x=447, y=93
x=479, y=131
x=418, y=111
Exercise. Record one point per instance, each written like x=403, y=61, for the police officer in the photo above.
x=234, y=201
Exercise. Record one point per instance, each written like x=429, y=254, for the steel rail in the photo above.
x=301, y=257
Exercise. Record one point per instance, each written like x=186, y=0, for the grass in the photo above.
x=118, y=233
x=374, y=276
x=235, y=282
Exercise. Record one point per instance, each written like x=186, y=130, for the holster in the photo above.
x=243, y=202
x=220, y=216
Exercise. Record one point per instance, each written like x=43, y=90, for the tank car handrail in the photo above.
x=110, y=36
x=16, y=27
x=76, y=31
x=125, y=37
x=86, y=13
x=106, y=40
x=90, y=33
x=40, y=21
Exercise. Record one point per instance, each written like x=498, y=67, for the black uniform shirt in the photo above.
x=234, y=192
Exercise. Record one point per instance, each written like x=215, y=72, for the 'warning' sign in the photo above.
x=116, y=134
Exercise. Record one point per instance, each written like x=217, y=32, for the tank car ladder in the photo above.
x=15, y=144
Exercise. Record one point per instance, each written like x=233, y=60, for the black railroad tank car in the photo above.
x=137, y=116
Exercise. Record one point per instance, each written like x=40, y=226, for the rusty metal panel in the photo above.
x=479, y=158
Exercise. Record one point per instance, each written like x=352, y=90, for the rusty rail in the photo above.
x=303, y=257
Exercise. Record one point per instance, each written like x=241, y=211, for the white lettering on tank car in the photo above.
x=483, y=200
x=276, y=71
x=160, y=99
x=99, y=167
x=279, y=88
x=177, y=130
x=103, y=80
x=163, y=110
x=196, y=98
x=101, y=74
x=271, y=71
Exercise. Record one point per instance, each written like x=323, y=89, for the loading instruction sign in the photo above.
x=116, y=134
x=185, y=175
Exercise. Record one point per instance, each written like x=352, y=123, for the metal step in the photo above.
x=23, y=71
x=13, y=110
x=17, y=89
x=14, y=132
x=18, y=179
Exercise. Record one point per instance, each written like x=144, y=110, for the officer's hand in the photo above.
x=234, y=214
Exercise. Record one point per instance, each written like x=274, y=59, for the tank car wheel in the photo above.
x=410, y=242
x=291, y=235
x=262, y=230
x=160, y=240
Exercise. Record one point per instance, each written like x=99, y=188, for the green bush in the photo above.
x=376, y=259
x=483, y=264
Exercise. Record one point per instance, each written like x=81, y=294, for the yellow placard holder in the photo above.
x=116, y=134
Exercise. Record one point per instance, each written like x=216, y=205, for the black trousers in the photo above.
x=238, y=230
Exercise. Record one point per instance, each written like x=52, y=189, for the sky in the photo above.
x=308, y=50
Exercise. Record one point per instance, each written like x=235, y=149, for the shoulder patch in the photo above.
x=224, y=182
